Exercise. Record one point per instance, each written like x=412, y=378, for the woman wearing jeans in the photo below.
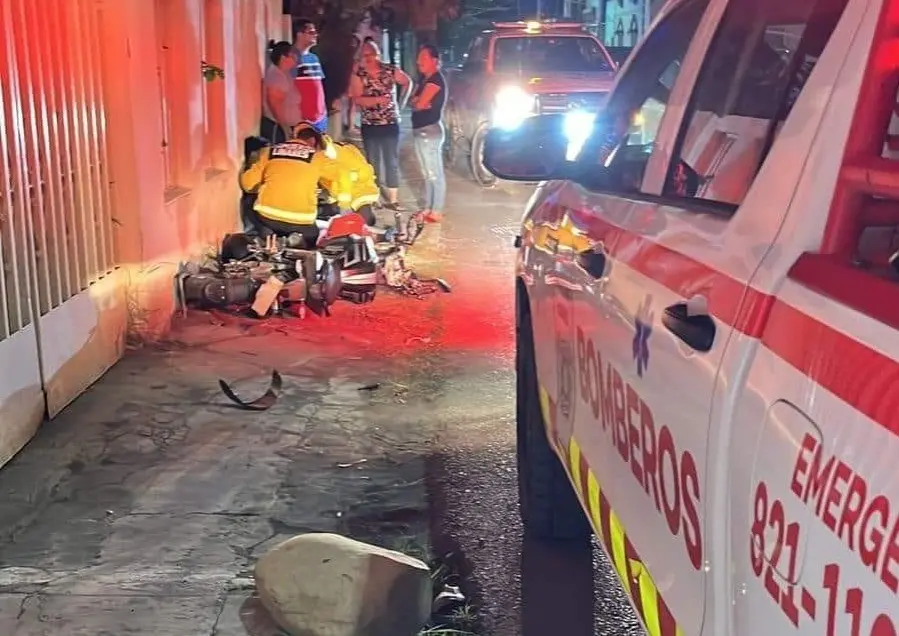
x=428, y=132
x=372, y=89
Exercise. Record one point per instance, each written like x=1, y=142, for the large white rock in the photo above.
x=327, y=585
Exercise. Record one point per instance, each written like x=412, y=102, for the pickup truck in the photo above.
x=708, y=320
x=520, y=68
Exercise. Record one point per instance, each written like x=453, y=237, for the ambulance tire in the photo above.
x=547, y=503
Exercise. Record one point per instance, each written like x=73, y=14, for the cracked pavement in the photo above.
x=143, y=507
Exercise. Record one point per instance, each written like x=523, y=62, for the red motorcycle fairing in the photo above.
x=344, y=225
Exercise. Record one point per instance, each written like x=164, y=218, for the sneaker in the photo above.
x=432, y=216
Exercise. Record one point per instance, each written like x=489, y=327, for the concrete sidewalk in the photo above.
x=142, y=508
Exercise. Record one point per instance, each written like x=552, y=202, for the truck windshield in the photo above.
x=550, y=54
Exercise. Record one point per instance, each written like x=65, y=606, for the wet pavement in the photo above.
x=142, y=508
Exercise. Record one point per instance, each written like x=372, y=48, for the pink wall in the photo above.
x=168, y=214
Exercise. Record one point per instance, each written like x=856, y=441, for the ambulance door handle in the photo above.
x=697, y=331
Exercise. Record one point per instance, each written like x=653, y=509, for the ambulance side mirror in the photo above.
x=534, y=150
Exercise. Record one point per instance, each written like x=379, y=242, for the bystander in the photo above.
x=280, y=99
x=309, y=76
x=428, y=132
x=373, y=89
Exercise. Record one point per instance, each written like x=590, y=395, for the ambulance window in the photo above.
x=636, y=108
x=753, y=74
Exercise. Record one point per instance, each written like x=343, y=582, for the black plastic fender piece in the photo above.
x=263, y=403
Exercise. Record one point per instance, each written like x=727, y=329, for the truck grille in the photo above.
x=560, y=102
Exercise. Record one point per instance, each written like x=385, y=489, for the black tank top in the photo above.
x=432, y=115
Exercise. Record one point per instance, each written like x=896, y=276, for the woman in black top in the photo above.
x=427, y=102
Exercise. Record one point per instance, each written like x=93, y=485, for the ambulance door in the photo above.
x=814, y=488
x=643, y=395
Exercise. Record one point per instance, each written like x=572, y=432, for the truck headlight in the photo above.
x=578, y=126
x=512, y=106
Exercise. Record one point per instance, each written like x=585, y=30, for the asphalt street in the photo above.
x=143, y=507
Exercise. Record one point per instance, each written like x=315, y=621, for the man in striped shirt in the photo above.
x=308, y=76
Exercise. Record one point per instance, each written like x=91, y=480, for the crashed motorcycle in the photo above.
x=276, y=273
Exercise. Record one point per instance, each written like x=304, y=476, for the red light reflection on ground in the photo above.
x=477, y=316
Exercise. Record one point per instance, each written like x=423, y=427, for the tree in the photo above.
x=423, y=16
x=476, y=15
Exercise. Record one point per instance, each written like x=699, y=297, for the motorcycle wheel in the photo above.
x=481, y=175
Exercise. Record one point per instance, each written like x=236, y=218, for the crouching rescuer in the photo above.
x=285, y=178
x=309, y=252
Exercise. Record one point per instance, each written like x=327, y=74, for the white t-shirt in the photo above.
x=278, y=79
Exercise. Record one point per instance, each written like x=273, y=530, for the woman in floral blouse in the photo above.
x=373, y=89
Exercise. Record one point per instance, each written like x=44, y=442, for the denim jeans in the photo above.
x=428, y=141
x=382, y=149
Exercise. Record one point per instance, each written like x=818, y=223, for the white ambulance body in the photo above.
x=709, y=322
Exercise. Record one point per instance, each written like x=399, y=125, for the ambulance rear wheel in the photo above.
x=547, y=503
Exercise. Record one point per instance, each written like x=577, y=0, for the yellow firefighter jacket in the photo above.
x=357, y=186
x=286, y=178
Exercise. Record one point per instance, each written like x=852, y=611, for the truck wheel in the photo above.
x=548, y=505
x=481, y=175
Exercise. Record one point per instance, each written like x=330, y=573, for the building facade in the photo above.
x=118, y=160
x=624, y=22
x=619, y=23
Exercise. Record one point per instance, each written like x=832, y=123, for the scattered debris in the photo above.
x=263, y=403
x=449, y=599
x=240, y=584
x=351, y=464
x=399, y=277
x=370, y=387
x=451, y=613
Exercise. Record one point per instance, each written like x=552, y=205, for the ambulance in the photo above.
x=708, y=320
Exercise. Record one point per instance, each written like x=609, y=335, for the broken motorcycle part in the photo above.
x=263, y=403
x=209, y=289
x=267, y=296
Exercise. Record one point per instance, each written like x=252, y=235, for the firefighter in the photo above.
x=357, y=178
x=286, y=179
